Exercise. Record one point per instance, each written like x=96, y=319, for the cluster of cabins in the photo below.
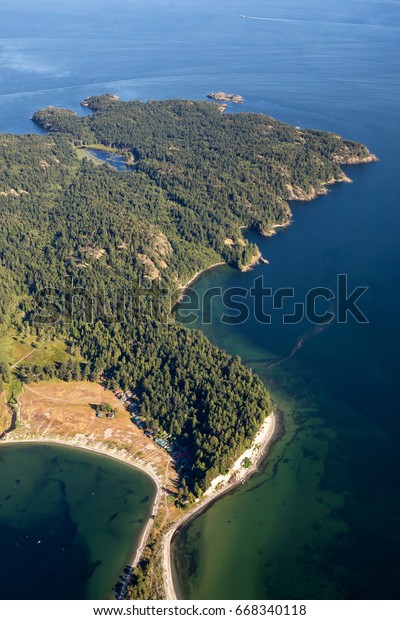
x=179, y=454
x=131, y=402
x=163, y=443
x=110, y=414
x=129, y=398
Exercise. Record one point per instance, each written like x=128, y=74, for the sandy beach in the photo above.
x=220, y=485
x=120, y=455
x=97, y=447
x=194, y=278
x=39, y=419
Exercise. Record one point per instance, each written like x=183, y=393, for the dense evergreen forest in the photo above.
x=90, y=238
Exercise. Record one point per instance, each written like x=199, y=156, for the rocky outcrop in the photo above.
x=220, y=96
x=150, y=271
x=368, y=159
x=13, y=192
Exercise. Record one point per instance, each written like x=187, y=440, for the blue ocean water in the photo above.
x=327, y=500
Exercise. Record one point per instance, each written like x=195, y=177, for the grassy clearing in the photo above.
x=28, y=351
x=102, y=147
x=31, y=350
x=13, y=348
x=50, y=352
x=66, y=410
x=6, y=343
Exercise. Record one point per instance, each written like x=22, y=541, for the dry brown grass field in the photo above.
x=59, y=410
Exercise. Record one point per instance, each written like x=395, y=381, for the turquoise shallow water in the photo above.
x=322, y=519
x=69, y=521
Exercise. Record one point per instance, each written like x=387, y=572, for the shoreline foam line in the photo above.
x=219, y=486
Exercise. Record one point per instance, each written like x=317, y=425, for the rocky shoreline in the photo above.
x=221, y=96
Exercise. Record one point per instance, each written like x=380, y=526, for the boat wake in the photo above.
x=301, y=22
x=310, y=334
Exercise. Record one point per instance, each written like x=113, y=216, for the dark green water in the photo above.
x=322, y=518
x=114, y=159
x=69, y=521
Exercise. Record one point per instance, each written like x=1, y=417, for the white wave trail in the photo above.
x=302, y=22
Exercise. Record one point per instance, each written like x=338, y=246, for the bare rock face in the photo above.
x=220, y=96
x=150, y=271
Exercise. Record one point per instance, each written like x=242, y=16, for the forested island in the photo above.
x=200, y=176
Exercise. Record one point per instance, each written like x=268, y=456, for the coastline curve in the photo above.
x=220, y=486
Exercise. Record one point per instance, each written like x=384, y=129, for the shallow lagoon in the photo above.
x=323, y=515
x=70, y=520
